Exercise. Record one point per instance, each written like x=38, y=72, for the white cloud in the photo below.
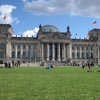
x=73, y=7
x=30, y=33
x=6, y=10
x=16, y=20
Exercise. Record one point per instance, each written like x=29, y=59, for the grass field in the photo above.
x=61, y=83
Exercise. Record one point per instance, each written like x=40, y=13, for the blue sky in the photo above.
x=26, y=15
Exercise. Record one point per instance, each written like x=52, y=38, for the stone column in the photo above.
x=27, y=51
x=59, y=59
x=80, y=51
x=16, y=51
x=8, y=50
x=53, y=52
x=85, y=52
x=98, y=53
x=48, y=52
x=42, y=52
x=76, y=52
x=21, y=51
x=31, y=53
x=64, y=52
x=70, y=50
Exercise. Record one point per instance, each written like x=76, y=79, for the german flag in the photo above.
x=4, y=18
x=94, y=23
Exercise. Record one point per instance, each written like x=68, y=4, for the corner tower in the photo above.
x=5, y=42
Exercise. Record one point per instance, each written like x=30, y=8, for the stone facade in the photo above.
x=50, y=46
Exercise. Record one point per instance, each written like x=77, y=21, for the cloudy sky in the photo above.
x=26, y=15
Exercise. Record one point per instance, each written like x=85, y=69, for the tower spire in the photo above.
x=40, y=28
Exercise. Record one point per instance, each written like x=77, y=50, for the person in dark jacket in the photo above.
x=51, y=65
x=83, y=65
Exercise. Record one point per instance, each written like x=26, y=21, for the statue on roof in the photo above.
x=68, y=29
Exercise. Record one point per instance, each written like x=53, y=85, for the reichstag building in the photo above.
x=50, y=46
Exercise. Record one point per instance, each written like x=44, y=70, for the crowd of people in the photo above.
x=9, y=64
x=89, y=65
x=83, y=65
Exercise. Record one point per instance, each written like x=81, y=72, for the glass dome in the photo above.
x=49, y=28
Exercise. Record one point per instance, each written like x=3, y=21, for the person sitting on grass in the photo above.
x=51, y=65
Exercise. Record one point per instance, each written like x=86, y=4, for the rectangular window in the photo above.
x=1, y=54
x=24, y=47
x=73, y=55
x=24, y=55
x=13, y=54
x=13, y=46
x=18, y=47
x=83, y=55
x=78, y=55
x=18, y=54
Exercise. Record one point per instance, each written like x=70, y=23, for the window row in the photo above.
x=24, y=55
x=82, y=55
x=23, y=46
x=3, y=30
x=82, y=48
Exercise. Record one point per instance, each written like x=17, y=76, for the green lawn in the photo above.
x=60, y=83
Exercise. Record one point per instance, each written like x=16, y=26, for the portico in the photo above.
x=55, y=52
